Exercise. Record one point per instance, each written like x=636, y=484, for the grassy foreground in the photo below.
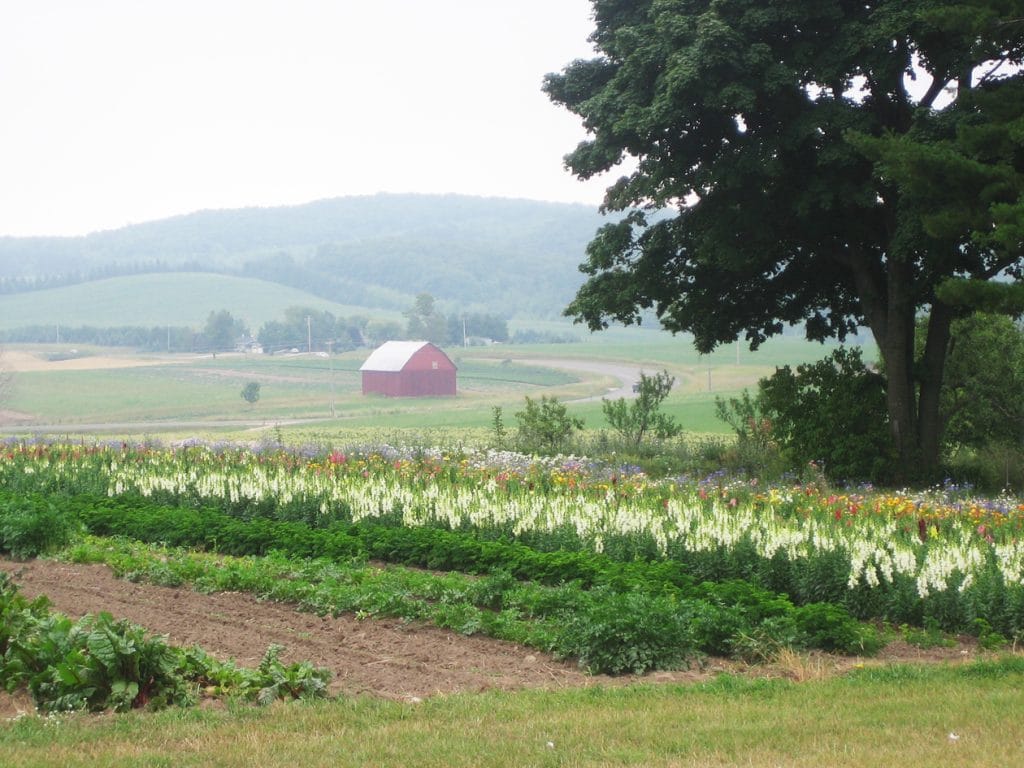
x=908, y=716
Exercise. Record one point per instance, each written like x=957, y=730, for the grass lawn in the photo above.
x=903, y=716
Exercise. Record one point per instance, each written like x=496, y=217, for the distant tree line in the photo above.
x=305, y=329
x=301, y=328
x=154, y=339
x=10, y=285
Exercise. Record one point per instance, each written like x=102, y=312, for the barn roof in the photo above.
x=392, y=355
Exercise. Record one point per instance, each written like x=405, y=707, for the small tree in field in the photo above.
x=545, y=425
x=640, y=417
x=251, y=392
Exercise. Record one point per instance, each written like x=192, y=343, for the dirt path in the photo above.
x=383, y=658
x=377, y=657
x=626, y=373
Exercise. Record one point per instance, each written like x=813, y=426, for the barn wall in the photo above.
x=382, y=383
x=429, y=372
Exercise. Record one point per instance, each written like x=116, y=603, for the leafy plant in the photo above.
x=32, y=526
x=829, y=627
x=928, y=636
x=96, y=663
x=628, y=632
x=545, y=425
x=832, y=412
x=275, y=681
x=988, y=639
x=641, y=416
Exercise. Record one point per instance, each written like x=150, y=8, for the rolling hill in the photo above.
x=512, y=257
x=165, y=299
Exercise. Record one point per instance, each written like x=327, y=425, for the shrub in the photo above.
x=33, y=526
x=831, y=628
x=834, y=413
x=545, y=425
x=642, y=416
x=628, y=632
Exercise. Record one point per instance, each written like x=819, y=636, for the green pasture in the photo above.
x=657, y=348
x=302, y=387
x=171, y=299
x=910, y=716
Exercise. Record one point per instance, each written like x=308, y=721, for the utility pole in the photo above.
x=309, y=335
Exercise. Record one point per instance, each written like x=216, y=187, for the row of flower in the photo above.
x=940, y=541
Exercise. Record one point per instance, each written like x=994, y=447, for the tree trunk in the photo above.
x=929, y=421
x=897, y=348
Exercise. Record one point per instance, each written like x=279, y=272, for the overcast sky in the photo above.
x=121, y=111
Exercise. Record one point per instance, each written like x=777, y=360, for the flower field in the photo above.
x=940, y=557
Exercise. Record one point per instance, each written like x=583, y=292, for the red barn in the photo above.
x=408, y=369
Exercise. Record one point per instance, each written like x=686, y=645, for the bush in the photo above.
x=629, y=632
x=545, y=426
x=643, y=416
x=833, y=413
x=831, y=628
x=33, y=526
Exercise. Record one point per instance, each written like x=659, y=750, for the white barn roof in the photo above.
x=392, y=355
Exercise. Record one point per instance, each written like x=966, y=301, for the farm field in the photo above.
x=495, y=654
x=167, y=299
x=55, y=387
x=422, y=696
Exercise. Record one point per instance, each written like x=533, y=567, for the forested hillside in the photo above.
x=508, y=256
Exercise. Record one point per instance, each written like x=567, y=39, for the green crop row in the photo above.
x=98, y=663
x=614, y=616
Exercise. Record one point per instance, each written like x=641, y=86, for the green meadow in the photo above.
x=913, y=717
x=171, y=389
x=165, y=299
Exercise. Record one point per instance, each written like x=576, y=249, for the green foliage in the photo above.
x=222, y=332
x=629, y=632
x=983, y=393
x=814, y=194
x=988, y=638
x=99, y=663
x=832, y=413
x=828, y=626
x=641, y=416
x=545, y=426
x=719, y=612
x=498, y=431
x=96, y=663
x=251, y=392
x=755, y=451
x=275, y=681
x=745, y=415
x=928, y=636
x=34, y=526
x=425, y=321
x=991, y=468
x=303, y=326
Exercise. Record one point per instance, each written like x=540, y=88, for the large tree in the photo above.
x=776, y=157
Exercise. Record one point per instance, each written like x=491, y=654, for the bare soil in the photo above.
x=384, y=658
x=20, y=361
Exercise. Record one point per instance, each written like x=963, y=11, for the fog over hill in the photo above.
x=503, y=255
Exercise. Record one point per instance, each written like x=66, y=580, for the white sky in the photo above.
x=121, y=111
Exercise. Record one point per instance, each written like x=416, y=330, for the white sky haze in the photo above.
x=122, y=111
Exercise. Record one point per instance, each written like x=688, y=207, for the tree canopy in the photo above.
x=831, y=163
